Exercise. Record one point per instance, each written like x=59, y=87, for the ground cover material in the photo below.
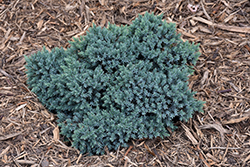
x=29, y=135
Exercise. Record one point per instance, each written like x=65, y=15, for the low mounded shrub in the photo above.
x=117, y=83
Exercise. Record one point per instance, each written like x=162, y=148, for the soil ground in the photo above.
x=220, y=136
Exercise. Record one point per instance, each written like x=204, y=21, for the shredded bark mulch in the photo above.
x=220, y=136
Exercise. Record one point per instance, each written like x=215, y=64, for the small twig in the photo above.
x=127, y=152
x=8, y=94
x=126, y=158
x=6, y=137
x=224, y=148
x=204, y=10
x=225, y=91
x=223, y=27
x=7, y=75
x=202, y=157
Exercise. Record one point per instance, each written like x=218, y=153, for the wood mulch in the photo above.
x=220, y=136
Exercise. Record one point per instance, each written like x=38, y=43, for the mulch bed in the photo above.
x=220, y=136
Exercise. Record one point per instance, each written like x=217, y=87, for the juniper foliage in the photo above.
x=117, y=83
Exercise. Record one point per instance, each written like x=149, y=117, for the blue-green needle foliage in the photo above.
x=117, y=83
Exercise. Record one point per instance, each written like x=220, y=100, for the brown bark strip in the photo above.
x=129, y=149
x=224, y=27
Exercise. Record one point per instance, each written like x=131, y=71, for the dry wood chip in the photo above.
x=223, y=27
x=129, y=149
x=235, y=87
x=246, y=46
x=8, y=75
x=224, y=148
x=4, y=151
x=247, y=110
x=237, y=120
x=230, y=16
x=6, y=137
x=78, y=159
x=14, y=38
x=212, y=157
x=226, y=4
x=126, y=158
x=22, y=37
x=204, y=10
x=200, y=19
x=203, y=157
x=205, y=77
x=189, y=134
x=6, y=92
x=69, y=7
x=46, y=113
x=20, y=107
x=102, y=2
x=218, y=127
x=56, y=133
x=105, y=165
x=213, y=43
x=149, y=150
x=193, y=30
x=233, y=28
x=246, y=159
x=7, y=33
x=193, y=23
x=3, y=29
x=25, y=162
x=186, y=33
x=40, y=24
x=45, y=163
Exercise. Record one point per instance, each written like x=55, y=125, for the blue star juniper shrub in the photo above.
x=117, y=83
